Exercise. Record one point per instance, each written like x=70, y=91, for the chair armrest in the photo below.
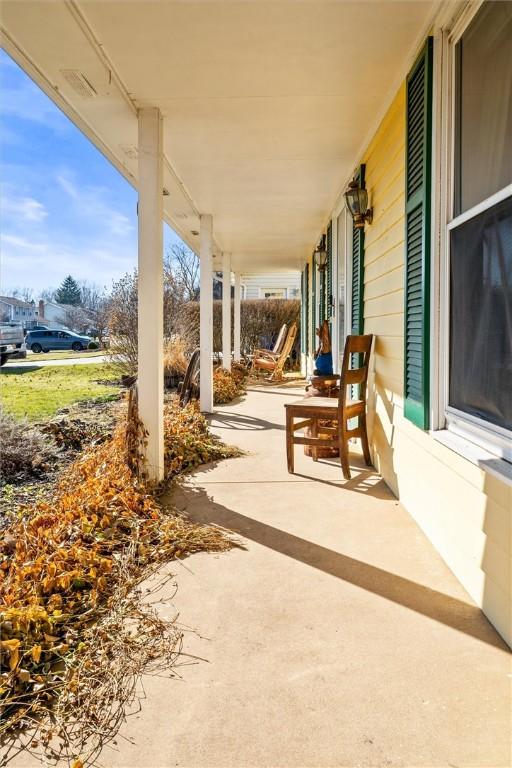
x=265, y=353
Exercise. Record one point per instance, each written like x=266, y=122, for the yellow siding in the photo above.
x=464, y=511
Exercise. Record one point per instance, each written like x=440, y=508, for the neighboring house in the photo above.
x=51, y=311
x=271, y=285
x=17, y=311
x=430, y=276
x=57, y=315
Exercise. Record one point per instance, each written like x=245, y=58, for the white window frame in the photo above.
x=337, y=343
x=262, y=292
x=492, y=438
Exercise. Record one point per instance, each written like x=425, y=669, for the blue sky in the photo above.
x=64, y=209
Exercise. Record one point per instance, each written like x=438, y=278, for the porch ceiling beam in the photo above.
x=150, y=287
x=206, y=312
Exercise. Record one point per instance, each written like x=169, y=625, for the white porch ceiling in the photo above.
x=266, y=105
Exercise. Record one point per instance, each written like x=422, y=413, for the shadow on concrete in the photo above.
x=457, y=614
x=233, y=420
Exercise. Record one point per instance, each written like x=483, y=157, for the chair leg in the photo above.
x=289, y=441
x=364, y=441
x=343, y=447
x=314, y=433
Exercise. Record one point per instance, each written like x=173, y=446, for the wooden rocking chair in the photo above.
x=312, y=410
x=276, y=349
x=274, y=364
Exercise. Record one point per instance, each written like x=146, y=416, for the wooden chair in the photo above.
x=275, y=365
x=189, y=388
x=276, y=349
x=312, y=410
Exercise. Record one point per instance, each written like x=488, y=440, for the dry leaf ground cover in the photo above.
x=75, y=634
x=227, y=385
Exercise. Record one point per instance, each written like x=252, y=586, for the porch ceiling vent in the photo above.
x=79, y=83
x=130, y=150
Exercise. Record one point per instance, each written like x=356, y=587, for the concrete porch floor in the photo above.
x=336, y=637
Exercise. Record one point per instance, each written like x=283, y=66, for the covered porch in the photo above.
x=240, y=124
x=335, y=635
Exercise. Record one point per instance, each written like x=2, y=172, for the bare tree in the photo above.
x=77, y=319
x=182, y=265
x=91, y=295
x=122, y=322
x=48, y=294
x=24, y=294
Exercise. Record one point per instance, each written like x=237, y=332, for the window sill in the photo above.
x=475, y=454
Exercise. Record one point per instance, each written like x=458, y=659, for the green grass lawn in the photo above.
x=40, y=393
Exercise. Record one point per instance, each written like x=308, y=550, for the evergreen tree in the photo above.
x=68, y=292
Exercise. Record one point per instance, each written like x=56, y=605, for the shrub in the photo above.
x=25, y=450
x=93, y=345
x=260, y=321
x=188, y=440
x=76, y=634
x=228, y=384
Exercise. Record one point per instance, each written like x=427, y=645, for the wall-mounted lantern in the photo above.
x=320, y=255
x=357, y=201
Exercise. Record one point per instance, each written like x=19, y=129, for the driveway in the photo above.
x=38, y=361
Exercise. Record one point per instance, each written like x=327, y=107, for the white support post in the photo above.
x=236, y=323
x=226, y=311
x=206, y=313
x=150, y=288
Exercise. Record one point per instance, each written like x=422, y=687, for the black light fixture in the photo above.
x=320, y=255
x=357, y=201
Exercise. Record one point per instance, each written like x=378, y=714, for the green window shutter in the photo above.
x=329, y=291
x=357, y=303
x=417, y=239
x=357, y=289
x=313, y=307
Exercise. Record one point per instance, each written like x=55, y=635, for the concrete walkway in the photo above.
x=335, y=637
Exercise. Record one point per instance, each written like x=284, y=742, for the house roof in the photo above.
x=16, y=302
x=59, y=306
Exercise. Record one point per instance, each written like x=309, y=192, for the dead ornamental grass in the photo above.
x=75, y=634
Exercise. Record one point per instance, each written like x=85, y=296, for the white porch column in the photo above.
x=206, y=312
x=236, y=319
x=150, y=288
x=226, y=311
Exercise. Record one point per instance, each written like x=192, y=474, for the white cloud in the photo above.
x=24, y=208
x=22, y=242
x=68, y=187
x=91, y=203
x=47, y=260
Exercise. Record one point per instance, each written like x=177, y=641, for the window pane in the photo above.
x=481, y=316
x=483, y=99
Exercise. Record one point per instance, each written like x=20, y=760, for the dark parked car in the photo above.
x=44, y=341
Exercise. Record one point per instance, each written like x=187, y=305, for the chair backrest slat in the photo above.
x=354, y=371
x=280, y=339
x=288, y=344
x=355, y=376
